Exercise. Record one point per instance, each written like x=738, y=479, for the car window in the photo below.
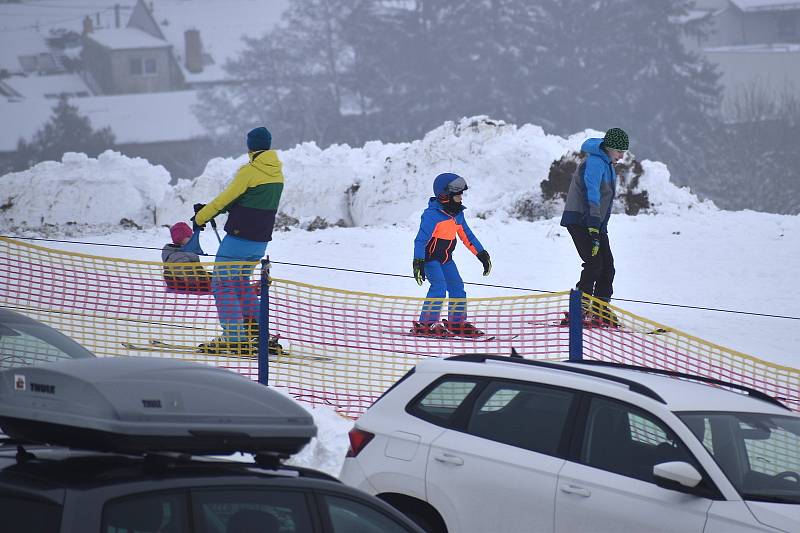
x=350, y=516
x=625, y=440
x=759, y=452
x=440, y=402
x=25, y=514
x=242, y=510
x=526, y=415
x=765, y=446
x=147, y=513
x=32, y=344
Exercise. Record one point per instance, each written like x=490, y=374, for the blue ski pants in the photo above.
x=445, y=281
x=235, y=298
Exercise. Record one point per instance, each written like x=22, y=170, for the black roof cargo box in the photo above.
x=142, y=404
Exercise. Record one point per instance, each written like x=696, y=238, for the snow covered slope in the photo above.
x=681, y=251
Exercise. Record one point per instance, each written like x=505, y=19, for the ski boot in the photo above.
x=251, y=328
x=275, y=349
x=462, y=329
x=429, y=329
x=220, y=346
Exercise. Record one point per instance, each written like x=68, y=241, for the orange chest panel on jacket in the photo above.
x=446, y=230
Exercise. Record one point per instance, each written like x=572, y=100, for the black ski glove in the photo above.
x=419, y=270
x=486, y=261
x=195, y=225
x=594, y=234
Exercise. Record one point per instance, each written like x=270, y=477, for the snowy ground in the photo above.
x=683, y=252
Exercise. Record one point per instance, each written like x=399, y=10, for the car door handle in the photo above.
x=576, y=490
x=450, y=459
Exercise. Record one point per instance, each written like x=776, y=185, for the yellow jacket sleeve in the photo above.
x=234, y=190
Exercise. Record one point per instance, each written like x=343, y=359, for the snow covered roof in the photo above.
x=14, y=44
x=47, y=86
x=766, y=5
x=222, y=26
x=126, y=39
x=778, y=48
x=134, y=118
x=694, y=14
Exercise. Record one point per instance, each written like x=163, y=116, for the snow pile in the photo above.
x=665, y=197
x=325, y=452
x=381, y=184
x=110, y=190
x=377, y=184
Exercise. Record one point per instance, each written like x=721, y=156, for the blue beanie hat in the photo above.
x=259, y=139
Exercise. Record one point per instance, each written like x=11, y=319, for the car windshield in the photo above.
x=759, y=453
x=27, y=342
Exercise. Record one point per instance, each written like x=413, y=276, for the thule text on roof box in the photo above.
x=138, y=405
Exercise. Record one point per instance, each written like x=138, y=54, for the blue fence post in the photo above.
x=575, y=326
x=263, y=325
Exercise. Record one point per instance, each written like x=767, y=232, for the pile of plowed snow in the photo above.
x=376, y=184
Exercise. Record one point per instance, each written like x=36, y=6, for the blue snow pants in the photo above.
x=445, y=281
x=234, y=297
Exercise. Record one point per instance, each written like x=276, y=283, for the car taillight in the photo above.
x=358, y=439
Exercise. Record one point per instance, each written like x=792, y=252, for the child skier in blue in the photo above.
x=433, y=248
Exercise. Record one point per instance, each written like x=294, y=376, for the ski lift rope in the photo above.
x=355, y=271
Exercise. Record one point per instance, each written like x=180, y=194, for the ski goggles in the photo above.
x=457, y=186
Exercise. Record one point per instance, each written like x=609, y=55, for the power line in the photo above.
x=370, y=272
x=50, y=23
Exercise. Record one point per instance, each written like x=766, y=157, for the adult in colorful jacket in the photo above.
x=433, y=259
x=251, y=201
x=587, y=210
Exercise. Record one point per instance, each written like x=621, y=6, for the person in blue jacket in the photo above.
x=441, y=222
x=587, y=210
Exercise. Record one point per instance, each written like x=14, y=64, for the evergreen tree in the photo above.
x=754, y=155
x=403, y=66
x=622, y=63
x=67, y=131
x=343, y=71
x=293, y=79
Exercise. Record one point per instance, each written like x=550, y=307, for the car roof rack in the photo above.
x=754, y=393
x=632, y=385
x=141, y=405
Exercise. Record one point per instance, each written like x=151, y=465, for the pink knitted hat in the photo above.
x=180, y=231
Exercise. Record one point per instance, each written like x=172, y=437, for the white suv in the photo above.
x=488, y=444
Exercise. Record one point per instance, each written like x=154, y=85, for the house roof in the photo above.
x=126, y=39
x=133, y=118
x=749, y=6
x=47, y=86
x=14, y=44
x=777, y=48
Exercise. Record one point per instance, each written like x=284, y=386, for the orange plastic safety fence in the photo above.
x=333, y=347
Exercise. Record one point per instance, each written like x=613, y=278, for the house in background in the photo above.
x=756, y=45
x=120, y=61
x=134, y=59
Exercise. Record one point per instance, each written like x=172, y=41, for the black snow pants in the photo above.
x=597, y=277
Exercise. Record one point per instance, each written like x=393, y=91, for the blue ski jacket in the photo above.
x=436, y=237
x=592, y=190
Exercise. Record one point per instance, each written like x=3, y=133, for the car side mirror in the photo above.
x=679, y=473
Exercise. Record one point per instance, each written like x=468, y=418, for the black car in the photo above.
x=126, y=445
x=25, y=341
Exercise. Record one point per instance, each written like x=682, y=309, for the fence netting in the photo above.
x=330, y=347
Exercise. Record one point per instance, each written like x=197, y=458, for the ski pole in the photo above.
x=214, y=227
